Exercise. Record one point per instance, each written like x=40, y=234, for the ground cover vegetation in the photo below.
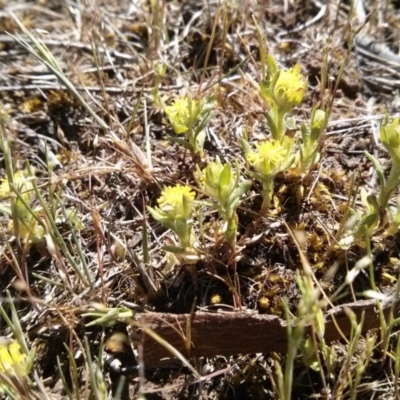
x=164, y=158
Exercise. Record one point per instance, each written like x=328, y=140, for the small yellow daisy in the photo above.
x=290, y=87
x=270, y=155
x=174, y=198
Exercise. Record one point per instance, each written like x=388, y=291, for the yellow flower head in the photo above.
x=176, y=201
x=183, y=113
x=12, y=360
x=290, y=88
x=271, y=156
x=22, y=183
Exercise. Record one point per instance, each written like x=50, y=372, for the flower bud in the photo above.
x=217, y=181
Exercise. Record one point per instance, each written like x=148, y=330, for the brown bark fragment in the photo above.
x=232, y=333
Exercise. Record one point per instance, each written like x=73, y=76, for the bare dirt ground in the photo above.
x=111, y=52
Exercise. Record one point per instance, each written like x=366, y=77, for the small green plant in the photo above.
x=309, y=314
x=175, y=212
x=308, y=154
x=376, y=214
x=17, y=200
x=160, y=70
x=223, y=186
x=370, y=217
x=359, y=223
x=190, y=117
x=351, y=373
x=270, y=158
x=282, y=90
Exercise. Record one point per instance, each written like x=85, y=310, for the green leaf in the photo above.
x=245, y=146
x=155, y=213
x=273, y=81
x=271, y=123
x=200, y=138
x=173, y=249
x=371, y=221
x=234, y=197
x=378, y=168
x=187, y=205
x=305, y=133
x=265, y=91
x=203, y=123
x=319, y=323
x=302, y=156
x=368, y=222
x=224, y=183
x=373, y=204
x=272, y=67
x=309, y=357
x=287, y=164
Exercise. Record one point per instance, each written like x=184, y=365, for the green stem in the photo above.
x=192, y=140
x=308, y=159
x=383, y=325
x=183, y=229
x=390, y=185
x=280, y=124
x=295, y=336
x=267, y=192
x=231, y=229
x=185, y=239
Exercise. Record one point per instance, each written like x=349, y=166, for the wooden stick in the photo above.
x=230, y=333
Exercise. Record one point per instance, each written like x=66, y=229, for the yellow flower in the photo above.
x=12, y=361
x=183, y=113
x=176, y=201
x=27, y=226
x=21, y=182
x=5, y=189
x=271, y=156
x=175, y=212
x=290, y=88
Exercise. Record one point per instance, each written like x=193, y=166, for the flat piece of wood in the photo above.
x=230, y=333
